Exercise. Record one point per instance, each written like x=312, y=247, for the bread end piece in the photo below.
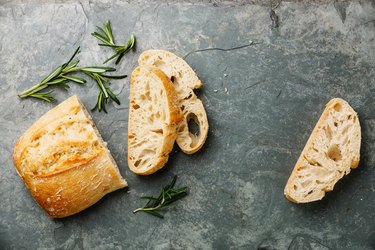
x=332, y=150
x=64, y=162
x=193, y=111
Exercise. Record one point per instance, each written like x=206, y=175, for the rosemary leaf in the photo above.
x=44, y=96
x=75, y=79
x=52, y=75
x=106, y=36
x=167, y=196
x=97, y=69
x=113, y=96
x=115, y=77
x=59, y=78
x=71, y=58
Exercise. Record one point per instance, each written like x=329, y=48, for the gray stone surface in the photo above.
x=262, y=101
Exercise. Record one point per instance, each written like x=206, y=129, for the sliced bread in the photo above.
x=332, y=150
x=153, y=118
x=64, y=162
x=185, y=81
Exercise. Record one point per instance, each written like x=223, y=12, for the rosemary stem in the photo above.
x=147, y=209
x=71, y=70
x=32, y=90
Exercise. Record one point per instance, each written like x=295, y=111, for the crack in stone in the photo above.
x=117, y=121
x=117, y=108
x=274, y=147
x=153, y=231
x=341, y=10
x=1, y=44
x=220, y=49
x=114, y=131
x=138, y=18
x=13, y=15
x=84, y=11
x=122, y=88
x=82, y=33
x=255, y=84
x=370, y=21
x=156, y=10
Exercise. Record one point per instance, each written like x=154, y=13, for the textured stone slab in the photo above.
x=264, y=90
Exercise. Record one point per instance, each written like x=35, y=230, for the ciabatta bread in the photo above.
x=153, y=118
x=64, y=162
x=332, y=150
x=185, y=81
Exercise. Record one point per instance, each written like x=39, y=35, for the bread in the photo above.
x=153, y=118
x=332, y=150
x=64, y=162
x=185, y=81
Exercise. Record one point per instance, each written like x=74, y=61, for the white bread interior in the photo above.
x=185, y=81
x=332, y=150
x=153, y=118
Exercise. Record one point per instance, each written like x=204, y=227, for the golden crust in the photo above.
x=175, y=113
x=64, y=162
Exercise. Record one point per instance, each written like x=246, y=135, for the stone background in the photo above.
x=265, y=88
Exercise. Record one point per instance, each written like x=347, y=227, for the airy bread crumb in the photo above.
x=332, y=150
x=185, y=81
x=153, y=119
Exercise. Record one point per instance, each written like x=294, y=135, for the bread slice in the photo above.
x=153, y=118
x=64, y=162
x=185, y=81
x=332, y=150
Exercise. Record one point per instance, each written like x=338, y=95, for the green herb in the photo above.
x=105, y=35
x=101, y=79
x=57, y=77
x=60, y=78
x=168, y=195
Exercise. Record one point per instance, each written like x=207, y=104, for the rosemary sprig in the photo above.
x=97, y=73
x=168, y=195
x=57, y=77
x=106, y=37
x=60, y=78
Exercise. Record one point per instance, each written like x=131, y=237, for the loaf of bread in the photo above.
x=185, y=81
x=332, y=150
x=64, y=162
x=153, y=118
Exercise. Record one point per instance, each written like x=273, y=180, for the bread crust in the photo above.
x=157, y=58
x=354, y=158
x=168, y=126
x=192, y=109
x=66, y=173
x=185, y=81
